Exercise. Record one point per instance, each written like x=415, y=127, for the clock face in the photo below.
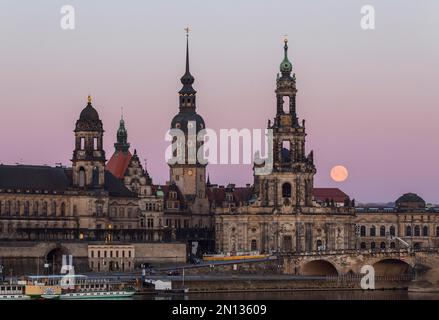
x=189, y=172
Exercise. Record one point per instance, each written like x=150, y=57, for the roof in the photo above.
x=321, y=194
x=410, y=197
x=218, y=195
x=52, y=179
x=115, y=187
x=119, y=163
x=33, y=178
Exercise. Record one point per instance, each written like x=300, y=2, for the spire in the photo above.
x=122, y=136
x=187, y=79
x=286, y=66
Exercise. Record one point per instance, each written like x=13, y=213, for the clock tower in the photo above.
x=189, y=173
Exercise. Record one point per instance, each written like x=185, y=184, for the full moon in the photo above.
x=339, y=173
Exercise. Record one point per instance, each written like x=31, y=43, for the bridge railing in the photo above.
x=357, y=277
x=360, y=251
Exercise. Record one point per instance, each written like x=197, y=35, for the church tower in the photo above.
x=189, y=174
x=291, y=182
x=88, y=160
x=122, y=144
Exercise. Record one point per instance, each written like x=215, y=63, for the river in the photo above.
x=301, y=295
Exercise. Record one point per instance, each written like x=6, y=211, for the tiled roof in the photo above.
x=218, y=195
x=26, y=177
x=321, y=194
x=118, y=163
x=51, y=179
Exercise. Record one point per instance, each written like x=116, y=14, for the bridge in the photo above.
x=422, y=264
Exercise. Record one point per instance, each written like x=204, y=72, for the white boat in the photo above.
x=97, y=295
x=14, y=297
x=13, y=292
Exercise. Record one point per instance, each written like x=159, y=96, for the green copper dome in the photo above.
x=286, y=66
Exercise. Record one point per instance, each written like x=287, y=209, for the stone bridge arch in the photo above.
x=392, y=267
x=318, y=267
x=53, y=257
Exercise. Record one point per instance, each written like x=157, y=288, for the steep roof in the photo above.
x=321, y=194
x=51, y=179
x=218, y=195
x=27, y=177
x=119, y=163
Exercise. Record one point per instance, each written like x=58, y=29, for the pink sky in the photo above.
x=369, y=97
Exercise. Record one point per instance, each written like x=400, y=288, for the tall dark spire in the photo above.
x=122, y=137
x=187, y=79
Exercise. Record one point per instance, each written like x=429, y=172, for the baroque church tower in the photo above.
x=290, y=184
x=189, y=174
x=88, y=160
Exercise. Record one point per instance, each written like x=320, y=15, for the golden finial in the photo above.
x=187, y=29
x=89, y=98
x=285, y=38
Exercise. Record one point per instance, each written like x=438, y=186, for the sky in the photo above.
x=369, y=97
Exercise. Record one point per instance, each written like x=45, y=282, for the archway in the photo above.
x=319, y=268
x=53, y=261
x=392, y=267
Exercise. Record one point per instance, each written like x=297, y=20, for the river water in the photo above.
x=301, y=295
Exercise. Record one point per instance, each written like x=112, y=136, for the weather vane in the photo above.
x=187, y=29
x=285, y=38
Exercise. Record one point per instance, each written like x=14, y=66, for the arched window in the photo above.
x=372, y=245
x=319, y=245
x=53, y=212
x=362, y=231
x=382, y=231
x=408, y=231
x=82, y=177
x=254, y=245
x=425, y=231
x=26, y=208
x=286, y=190
x=372, y=231
x=392, y=230
x=417, y=231
x=392, y=245
x=44, y=213
x=383, y=245
x=8, y=208
x=363, y=245
x=285, y=104
x=63, y=209
x=35, y=208
x=95, y=176
x=17, y=208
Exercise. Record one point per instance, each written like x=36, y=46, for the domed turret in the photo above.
x=89, y=119
x=88, y=156
x=410, y=201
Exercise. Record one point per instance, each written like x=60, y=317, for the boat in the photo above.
x=97, y=295
x=235, y=256
x=14, y=297
x=12, y=292
x=76, y=287
x=39, y=290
